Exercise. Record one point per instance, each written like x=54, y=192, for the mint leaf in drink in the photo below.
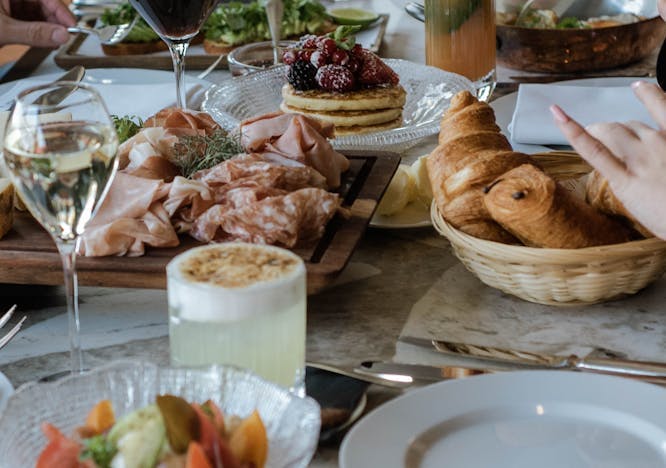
x=459, y=11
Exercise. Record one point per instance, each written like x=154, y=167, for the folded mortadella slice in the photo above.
x=283, y=138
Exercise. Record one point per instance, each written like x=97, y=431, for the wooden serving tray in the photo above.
x=28, y=254
x=75, y=53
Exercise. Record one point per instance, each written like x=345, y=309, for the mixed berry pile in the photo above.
x=334, y=62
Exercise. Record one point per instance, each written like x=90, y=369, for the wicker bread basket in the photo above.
x=559, y=276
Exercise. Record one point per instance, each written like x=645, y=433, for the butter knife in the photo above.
x=489, y=357
x=56, y=96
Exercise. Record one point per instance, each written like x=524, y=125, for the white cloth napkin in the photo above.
x=533, y=123
x=141, y=100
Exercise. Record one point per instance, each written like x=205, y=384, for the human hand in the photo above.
x=631, y=156
x=41, y=23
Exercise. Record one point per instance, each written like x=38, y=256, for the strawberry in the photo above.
x=374, y=71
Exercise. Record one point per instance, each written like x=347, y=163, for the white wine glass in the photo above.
x=61, y=158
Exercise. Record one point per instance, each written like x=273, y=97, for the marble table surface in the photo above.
x=358, y=318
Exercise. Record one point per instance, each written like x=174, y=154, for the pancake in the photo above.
x=390, y=97
x=348, y=118
x=361, y=129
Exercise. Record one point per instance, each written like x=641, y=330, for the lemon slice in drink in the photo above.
x=352, y=16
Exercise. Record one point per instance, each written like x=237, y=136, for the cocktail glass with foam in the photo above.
x=239, y=304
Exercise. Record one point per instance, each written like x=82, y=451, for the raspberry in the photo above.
x=301, y=75
x=289, y=56
x=329, y=46
x=340, y=57
x=335, y=78
x=375, y=72
x=308, y=41
x=318, y=59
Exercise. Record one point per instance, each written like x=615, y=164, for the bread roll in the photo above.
x=471, y=153
x=599, y=194
x=541, y=213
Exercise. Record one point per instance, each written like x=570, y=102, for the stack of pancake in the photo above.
x=355, y=112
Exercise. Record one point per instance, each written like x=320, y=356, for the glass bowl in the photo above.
x=256, y=56
x=429, y=92
x=292, y=423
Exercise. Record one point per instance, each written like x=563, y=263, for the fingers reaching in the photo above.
x=56, y=12
x=591, y=149
x=654, y=100
x=39, y=34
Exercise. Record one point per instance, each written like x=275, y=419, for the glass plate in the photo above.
x=292, y=423
x=429, y=91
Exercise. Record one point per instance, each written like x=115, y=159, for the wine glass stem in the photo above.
x=178, y=51
x=67, y=252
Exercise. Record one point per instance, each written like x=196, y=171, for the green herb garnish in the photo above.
x=194, y=153
x=571, y=22
x=99, y=449
x=344, y=36
x=126, y=127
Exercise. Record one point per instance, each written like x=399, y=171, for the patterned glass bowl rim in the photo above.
x=429, y=91
x=292, y=423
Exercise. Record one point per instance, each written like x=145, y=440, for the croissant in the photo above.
x=599, y=194
x=541, y=213
x=472, y=152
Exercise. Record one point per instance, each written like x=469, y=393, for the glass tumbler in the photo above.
x=239, y=304
x=460, y=38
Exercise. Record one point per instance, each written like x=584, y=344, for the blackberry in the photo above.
x=301, y=75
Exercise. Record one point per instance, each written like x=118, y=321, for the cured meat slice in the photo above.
x=285, y=220
x=285, y=137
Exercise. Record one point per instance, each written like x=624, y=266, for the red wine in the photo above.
x=175, y=19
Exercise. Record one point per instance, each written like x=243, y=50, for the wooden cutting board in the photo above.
x=28, y=254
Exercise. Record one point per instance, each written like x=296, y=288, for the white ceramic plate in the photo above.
x=414, y=215
x=429, y=91
x=527, y=419
x=6, y=389
x=127, y=91
x=505, y=106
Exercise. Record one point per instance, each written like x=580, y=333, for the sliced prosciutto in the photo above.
x=289, y=138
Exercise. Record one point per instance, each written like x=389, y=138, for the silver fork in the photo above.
x=108, y=35
x=4, y=319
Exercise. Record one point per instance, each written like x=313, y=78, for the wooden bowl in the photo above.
x=577, y=50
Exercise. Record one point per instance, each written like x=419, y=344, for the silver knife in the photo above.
x=56, y=96
x=489, y=357
x=418, y=373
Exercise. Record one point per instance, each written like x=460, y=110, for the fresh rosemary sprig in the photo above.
x=194, y=153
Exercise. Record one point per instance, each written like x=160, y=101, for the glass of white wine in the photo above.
x=61, y=158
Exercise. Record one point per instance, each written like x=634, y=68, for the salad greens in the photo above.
x=125, y=13
x=238, y=23
x=126, y=127
x=98, y=449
